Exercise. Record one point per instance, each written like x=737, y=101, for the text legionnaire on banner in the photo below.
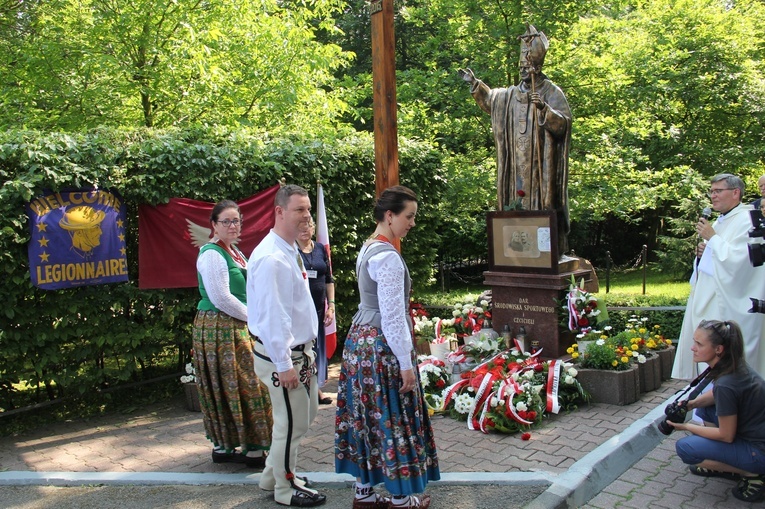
x=532, y=131
x=77, y=239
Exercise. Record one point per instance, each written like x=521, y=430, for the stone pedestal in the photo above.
x=610, y=387
x=533, y=301
x=650, y=374
x=667, y=357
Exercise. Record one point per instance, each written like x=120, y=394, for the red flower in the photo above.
x=521, y=193
x=531, y=415
x=440, y=383
x=526, y=436
x=593, y=304
x=587, y=309
x=583, y=322
x=538, y=368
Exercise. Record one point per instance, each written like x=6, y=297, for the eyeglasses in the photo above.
x=228, y=222
x=715, y=192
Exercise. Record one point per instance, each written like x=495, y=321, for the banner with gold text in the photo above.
x=78, y=239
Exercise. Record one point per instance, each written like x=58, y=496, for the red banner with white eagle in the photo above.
x=169, y=237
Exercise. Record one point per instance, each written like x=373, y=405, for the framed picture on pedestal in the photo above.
x=523, y=241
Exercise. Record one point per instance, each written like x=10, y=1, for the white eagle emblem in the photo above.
x=200, y=235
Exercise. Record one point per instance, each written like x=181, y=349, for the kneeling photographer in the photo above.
x=731, y=441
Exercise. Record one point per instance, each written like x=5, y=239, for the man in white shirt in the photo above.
x=724, y=279
x=282, y=317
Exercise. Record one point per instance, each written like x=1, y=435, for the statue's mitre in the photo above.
x=534, y=46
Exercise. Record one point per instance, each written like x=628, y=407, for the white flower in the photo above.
x=641, y=359
x=635, y=354
x=644, y=319
x=478, y=310
x=456, y=313
x=607, y=328
x=494, y=401
x=189, y=369
x=521, y=406
x=515, y=376
x=484, y=303
x=569, y=379
x=185, y=379
x=579, y=336
x=572, y=372
x=600, y=342
x=462, y=403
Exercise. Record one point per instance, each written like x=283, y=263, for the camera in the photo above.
x=756, y=251
x=758, y=306
x=675, y=412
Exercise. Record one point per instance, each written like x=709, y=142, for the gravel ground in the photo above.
x=483, y=496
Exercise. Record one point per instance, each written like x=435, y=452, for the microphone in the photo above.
x=706, y=214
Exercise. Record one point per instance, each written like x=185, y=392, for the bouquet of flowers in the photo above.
x=582, y=308
x=469, y=318
x=509, y=393
x=191, y=374
x=424, y=328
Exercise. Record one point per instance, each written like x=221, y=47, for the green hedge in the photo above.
x=71, y=342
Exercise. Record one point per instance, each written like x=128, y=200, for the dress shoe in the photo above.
x=307, y=499
x=255, y=461
x=301, y=481
x=326, y=400
x=223, y=457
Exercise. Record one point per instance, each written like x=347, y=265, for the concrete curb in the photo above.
x=23, y=478
x=591, y=474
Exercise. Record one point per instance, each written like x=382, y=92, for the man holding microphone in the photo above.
x=723, y=279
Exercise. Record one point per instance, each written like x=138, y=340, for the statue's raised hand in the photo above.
x=467, y=75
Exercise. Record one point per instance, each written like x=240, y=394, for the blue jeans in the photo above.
x=740, y=453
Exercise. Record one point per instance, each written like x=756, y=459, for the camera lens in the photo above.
x=665, y=428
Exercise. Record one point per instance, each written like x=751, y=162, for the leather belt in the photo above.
x=298, y=348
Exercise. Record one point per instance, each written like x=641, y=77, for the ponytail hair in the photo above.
x=728, y=335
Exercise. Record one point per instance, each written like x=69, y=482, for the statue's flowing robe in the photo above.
x=532, y=148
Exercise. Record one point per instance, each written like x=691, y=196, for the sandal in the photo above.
x=708, y=472
x=379, y=502
x=750, y=489
x=416, y=502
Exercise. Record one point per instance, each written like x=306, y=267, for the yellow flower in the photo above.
x=635, y=347
x=614, y=363
x=625, y=360
x=642, y=330
x=657, y=326
x=570, y=350
x=575, y=355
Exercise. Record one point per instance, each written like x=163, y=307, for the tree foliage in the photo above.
x=79, y=64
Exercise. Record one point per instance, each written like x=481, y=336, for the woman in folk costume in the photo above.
x=383, y=431
x=236, y=408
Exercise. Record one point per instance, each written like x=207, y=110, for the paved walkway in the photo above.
x=600, y=456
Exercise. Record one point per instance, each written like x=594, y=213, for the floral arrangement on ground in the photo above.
x=507, y=392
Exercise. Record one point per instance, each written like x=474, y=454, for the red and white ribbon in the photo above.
x=553, y=380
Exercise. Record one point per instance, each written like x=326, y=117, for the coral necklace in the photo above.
x=238, y=258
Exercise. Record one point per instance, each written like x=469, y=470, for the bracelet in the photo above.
x=331, y=301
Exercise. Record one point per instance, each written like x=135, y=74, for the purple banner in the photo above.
x=78, y=239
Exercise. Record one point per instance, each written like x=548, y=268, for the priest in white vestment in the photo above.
x=723, y=279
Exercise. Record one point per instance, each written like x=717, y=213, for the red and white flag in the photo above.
x=322, y=237
x=170, y=235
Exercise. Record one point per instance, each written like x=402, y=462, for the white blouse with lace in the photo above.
x=214, y=271
x=387, y=270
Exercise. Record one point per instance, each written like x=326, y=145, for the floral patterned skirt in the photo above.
x=381, y=436
x=236, y=408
